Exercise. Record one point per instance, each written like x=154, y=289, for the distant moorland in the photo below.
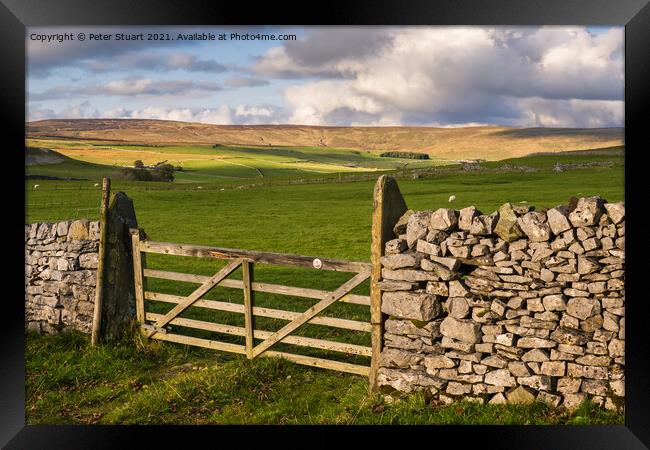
x=485, y=142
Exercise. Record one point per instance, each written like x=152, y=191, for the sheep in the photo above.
x=199, y=187
x=36, y=186
x=452, y=198
x=96, y=184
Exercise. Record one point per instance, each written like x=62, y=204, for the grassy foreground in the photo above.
x=70, y=382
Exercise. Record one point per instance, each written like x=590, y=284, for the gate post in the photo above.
x=101, y=258
x=388, y=207
x=249, y=319
x=114, y=290
x=138, y=276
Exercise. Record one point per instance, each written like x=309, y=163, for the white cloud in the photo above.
x=245, y=111
x=221, y=115
x=459, y=75
x=75, y=111
x=153, y=61
x=240, y=81
x=313, y=102
x=572, y=113
x=129, y=86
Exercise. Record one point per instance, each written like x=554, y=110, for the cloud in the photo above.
x=128, y=87
x=315, y=103
x=331, y=44
x=259, y=114
x=221, y=115
x=253, y=111
x=43, y=57
x=329, y=52
x=156, y=62
x=572, y=113
x=75, y=111
x=424, y=75
x=241, y=81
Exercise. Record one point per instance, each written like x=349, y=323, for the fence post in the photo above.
x=138, y=275
x=99, y=288
x=249, y=319
x=388, y=207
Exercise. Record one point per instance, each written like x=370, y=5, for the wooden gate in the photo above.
x=388, y=206
x=154, y=325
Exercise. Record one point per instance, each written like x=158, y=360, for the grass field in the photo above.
x=204, y=163
x=129, y=383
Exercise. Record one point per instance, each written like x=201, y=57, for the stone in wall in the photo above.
x=531, y=304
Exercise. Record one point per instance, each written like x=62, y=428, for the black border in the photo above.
x=15, y=15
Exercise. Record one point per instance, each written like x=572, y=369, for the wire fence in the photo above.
x=76, y=199
x=44, y=205
x=238, y=184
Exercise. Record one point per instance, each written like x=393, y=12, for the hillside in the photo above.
x=489, y=142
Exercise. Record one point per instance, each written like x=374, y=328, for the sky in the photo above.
x=439, y=76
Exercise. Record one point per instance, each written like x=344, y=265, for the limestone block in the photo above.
x=520, y=396
x=500, y=377
x=615, y=211
x=587, y=212
x=395, y=246
x=392, y=357
x=444, y=219
x=417, y=227
x=78, y=230
x=400, y=261
x=558, y=219
x=462, y=330
x=534, y=225
x=466, y=217
x=583, y=307
x=507, y=227
x=411, y=305
x=483, y=225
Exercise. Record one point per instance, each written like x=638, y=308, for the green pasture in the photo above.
x=204, y=163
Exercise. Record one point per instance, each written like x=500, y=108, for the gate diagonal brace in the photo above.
x=311, y=312
x=194, y=296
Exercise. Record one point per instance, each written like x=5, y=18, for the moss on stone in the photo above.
x=419, y=323
x=482, y=312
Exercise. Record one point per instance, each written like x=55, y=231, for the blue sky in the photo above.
x=430, y=76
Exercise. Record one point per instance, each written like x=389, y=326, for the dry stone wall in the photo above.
x=507, y=307
x=60, y=275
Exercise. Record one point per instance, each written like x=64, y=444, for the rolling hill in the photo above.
x=486, y=142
